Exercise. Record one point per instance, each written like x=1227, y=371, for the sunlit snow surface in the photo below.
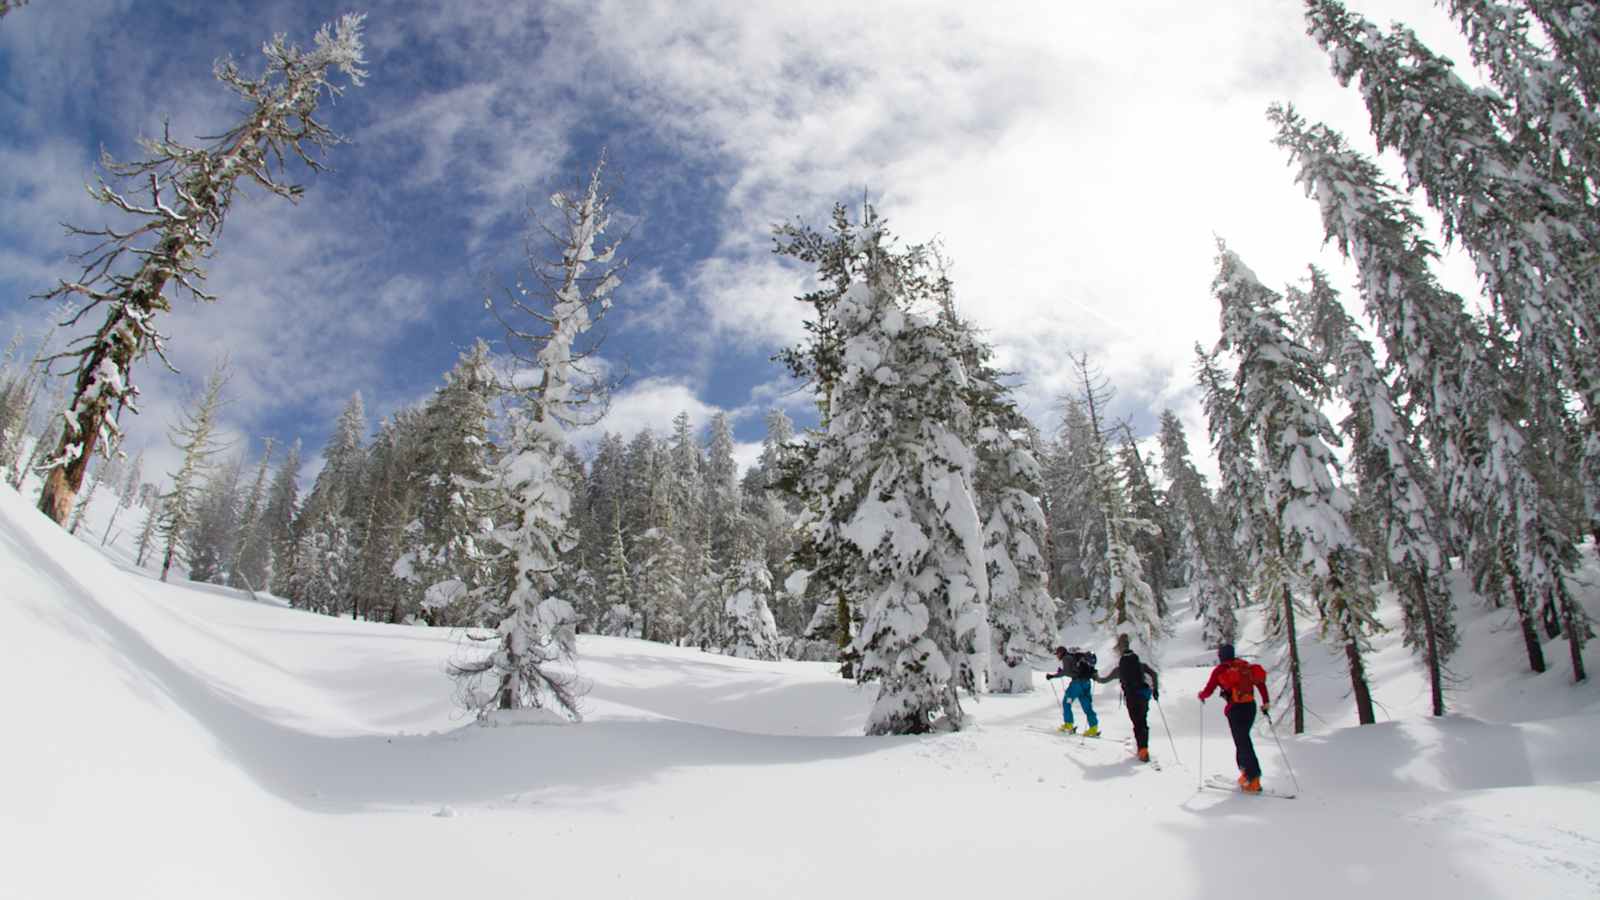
x=181, y=741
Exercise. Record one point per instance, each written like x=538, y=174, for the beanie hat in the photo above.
x=1224, y=652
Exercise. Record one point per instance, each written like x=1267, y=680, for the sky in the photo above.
x=1078, y=162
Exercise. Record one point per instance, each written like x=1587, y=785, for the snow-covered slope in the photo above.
x=180, y=741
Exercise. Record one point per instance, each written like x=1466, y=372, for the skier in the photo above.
x=1239, y=681
x=1136, y=693
x=1078, y=665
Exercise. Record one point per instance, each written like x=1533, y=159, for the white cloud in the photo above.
x=1077, y=162
x=650, y=403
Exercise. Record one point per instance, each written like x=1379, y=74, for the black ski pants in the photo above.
x=1138, y=713
x=1241, y=716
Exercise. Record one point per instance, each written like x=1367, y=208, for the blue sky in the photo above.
x=1077, y=160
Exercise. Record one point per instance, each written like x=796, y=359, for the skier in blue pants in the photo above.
x=1077, y=665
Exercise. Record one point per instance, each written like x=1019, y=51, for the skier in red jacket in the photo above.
x=1239, y=681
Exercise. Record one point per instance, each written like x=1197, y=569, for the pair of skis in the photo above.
x=1083, y=739
x=1228, y=785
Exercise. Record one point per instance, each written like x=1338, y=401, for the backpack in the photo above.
x=1080, y=664
x=1130, y=671
x=1239, y=679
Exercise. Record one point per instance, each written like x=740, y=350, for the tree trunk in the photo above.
x=1576, y=634
x=1530, y=631
x=846, y=669
x=1430, y=635
x=166, y=560
x=1294, y=663
x=1358, y=684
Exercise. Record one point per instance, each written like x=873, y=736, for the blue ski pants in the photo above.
x=1081, y=690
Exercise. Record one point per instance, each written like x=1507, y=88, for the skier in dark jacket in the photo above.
x=1139, y=686
x=1239, y=681
x=1078, y=665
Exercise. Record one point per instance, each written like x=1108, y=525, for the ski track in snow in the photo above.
x=181, y=741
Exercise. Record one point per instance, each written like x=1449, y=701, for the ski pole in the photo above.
x=1053, y=690
x=1274, y=727
x=1169, y=733
x=1202, y=750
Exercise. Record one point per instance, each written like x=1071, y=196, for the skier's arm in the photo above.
x=1155, y=680
x=1211, y=684
x=1265, y=701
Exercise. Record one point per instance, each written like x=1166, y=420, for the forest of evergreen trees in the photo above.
x=926, y=533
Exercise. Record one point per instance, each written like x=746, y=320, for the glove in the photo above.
x=1048, y=677
x=1155, y=695
x=1264, y=709
x=1202, y=696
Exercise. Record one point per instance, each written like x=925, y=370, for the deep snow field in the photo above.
x=179, y=740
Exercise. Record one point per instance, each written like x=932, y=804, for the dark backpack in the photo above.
x=1080, y=664
x=1130, y=671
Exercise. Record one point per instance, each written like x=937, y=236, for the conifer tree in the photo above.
x=892, y=477
x=212, y=539
x=190, y=192
x=82, y=505
x=1209, y=564
x=751, y=631
x=621, y=620
x=127, y=493
x=194, y=438
x=1499, y=515
x=1007, y=481
x=1277, y=380
x=1077, y=537
x=445, y=543
x=149, y=532
x=277, y=524
x=1123, y=600
x=254, y=559
x=1512, y=174
x=535, y=629
x=1392, y=476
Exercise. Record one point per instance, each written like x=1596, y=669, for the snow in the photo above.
x=175, y=741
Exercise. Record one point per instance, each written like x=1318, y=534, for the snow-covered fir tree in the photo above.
x=1393, y=478
x=1007, y=482
x=254, y=558
x=127, y=494
x=751, y=632
x=1511, y=173
x=1498, y=516
x=1118, y=593
x=1278, y=380
x=1253, y=529
x=212, y=540
x=191, y=188
x=1208, y=561
x=194, y=437
x=534, y=628
x=277, y=521
x=326, y=526
x=893, y=476
x=443, y=547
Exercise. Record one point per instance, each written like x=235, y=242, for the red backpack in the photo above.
x=1239, y=679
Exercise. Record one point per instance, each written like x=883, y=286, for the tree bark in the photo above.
x=1358, y=684
x=1574, y=637
x=1530, y=630
x=846, y=668
x=1430, y=635
x=1294, y=663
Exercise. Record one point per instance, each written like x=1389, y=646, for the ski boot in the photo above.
x=1243, y=778
x=1092, y=731
x=1144, y=754
x=1253, y=786
x=1068, y=728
